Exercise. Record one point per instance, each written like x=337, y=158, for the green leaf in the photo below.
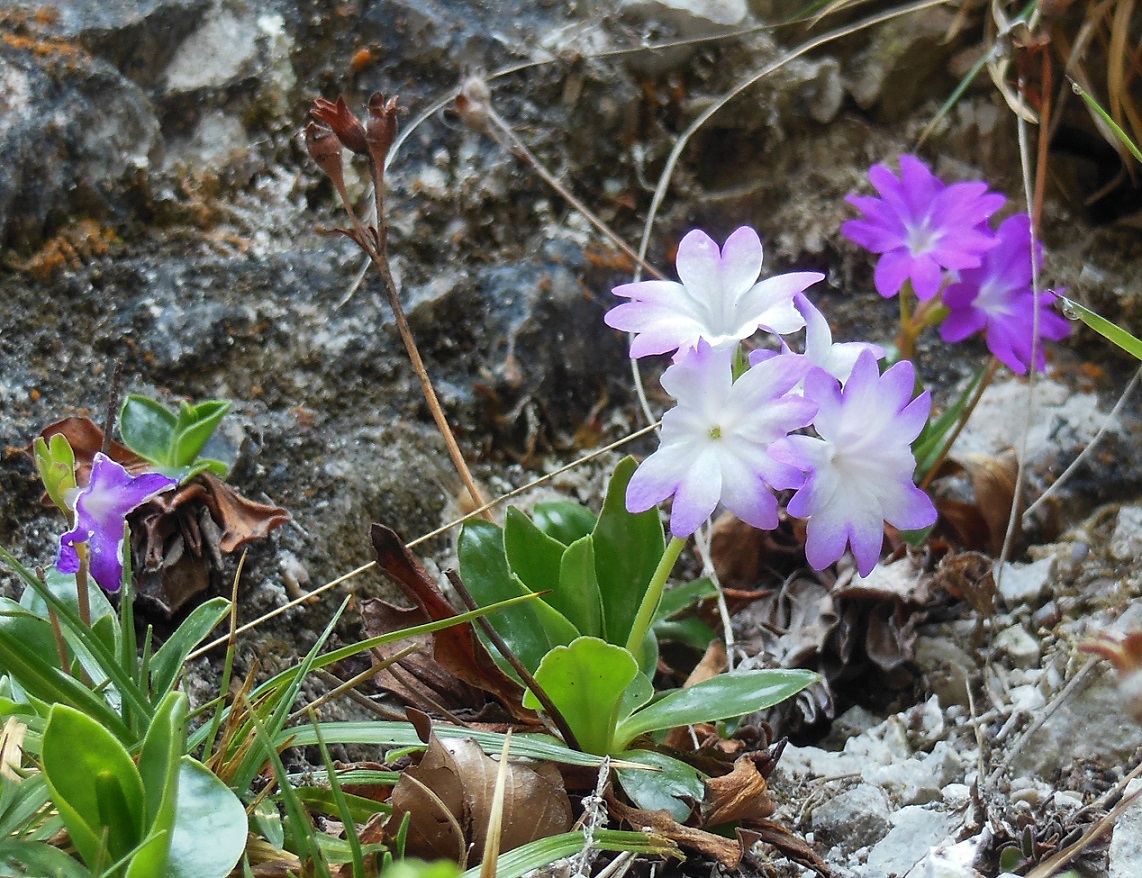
x=721, y=697
x=1112, y=332
x=20, y=803
x=628, y=548
x=210, y=825
x=56, y=466
x=168, y=661
x=683, y=597
x=563, y=520
x=527, y=628
x=532, y=555
x=194, y=427
x=402, y=736
x=666, y=789
x=37, y=671
x=148, y=429
x=637, y=695
x=544, y=851
x=37, y=860
x=95, y=785
x=577, y=596
x=159, y=769
x=587, y=681
x=693, y=633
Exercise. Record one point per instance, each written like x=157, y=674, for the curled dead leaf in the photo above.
x=456, y=650
x=448, y=798
x=740, y=795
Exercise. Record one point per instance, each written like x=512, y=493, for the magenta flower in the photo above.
x=997, y=298
x=719, y=300
x=859, y=472
x=836, y=358
x=101, y=510
x=921, y=226
x=715, y=442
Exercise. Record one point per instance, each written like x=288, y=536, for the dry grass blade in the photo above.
x=496, y=817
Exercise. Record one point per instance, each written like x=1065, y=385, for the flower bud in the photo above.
x=325, y=149
x=342, y=122
x=381, y=130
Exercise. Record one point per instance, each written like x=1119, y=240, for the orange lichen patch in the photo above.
x=27, y=32
x=363, y=58
x=76, y=245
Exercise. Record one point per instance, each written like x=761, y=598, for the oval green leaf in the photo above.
x=210, y=825
x=586, y=680
x=720, y=697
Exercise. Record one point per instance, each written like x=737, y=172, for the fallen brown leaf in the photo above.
x=740, y=795
x=448, y=797
x=727, y=851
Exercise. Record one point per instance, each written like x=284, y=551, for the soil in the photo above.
x=158, y=208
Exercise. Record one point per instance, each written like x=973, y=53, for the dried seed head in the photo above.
x=381, y=130
x=474, y=103
x=342, y=122
x=325, y=149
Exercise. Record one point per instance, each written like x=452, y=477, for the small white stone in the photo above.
x=1126, y=844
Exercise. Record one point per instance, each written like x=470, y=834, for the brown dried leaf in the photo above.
x=793, y=846
x=740, y=795
x=726, y=851
x=982, y=525
x=85, y=438
x=457, y=650
x=449, y=796
x=421, y=668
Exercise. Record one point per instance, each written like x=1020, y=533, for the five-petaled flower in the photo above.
x=859, y=472
x=101, y=510
x=997, y=298
x=715, y=442
x=921, y=226
x=719, y=299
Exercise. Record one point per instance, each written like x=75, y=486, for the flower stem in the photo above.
x=653, y=595
x=375, y=243
x=83, y=601
x=992, y=368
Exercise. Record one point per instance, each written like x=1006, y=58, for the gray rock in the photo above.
x=919, y=780
x=693, y=18
x=945, y=666
x=1024, y=584
x=915, y=831
x=854, y=819
x=1019, y=646
x=74, y=136
x=1091, y=725
x=1126, y=543
x=222, y=50
x=138, y=37
x=1126, y=844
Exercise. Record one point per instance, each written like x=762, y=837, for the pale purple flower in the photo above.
x=101, y=510
x=859, y=472
x=997, y=298
x=719, y=299
x=921, y=226
x=835, y=358
x=715, y=442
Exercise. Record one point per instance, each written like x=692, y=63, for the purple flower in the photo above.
x=715, y=442
x=101, y=510
x=719, y=299
x=997, y=298
x=921, y=226
x=859, y=473
x=836, y=359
